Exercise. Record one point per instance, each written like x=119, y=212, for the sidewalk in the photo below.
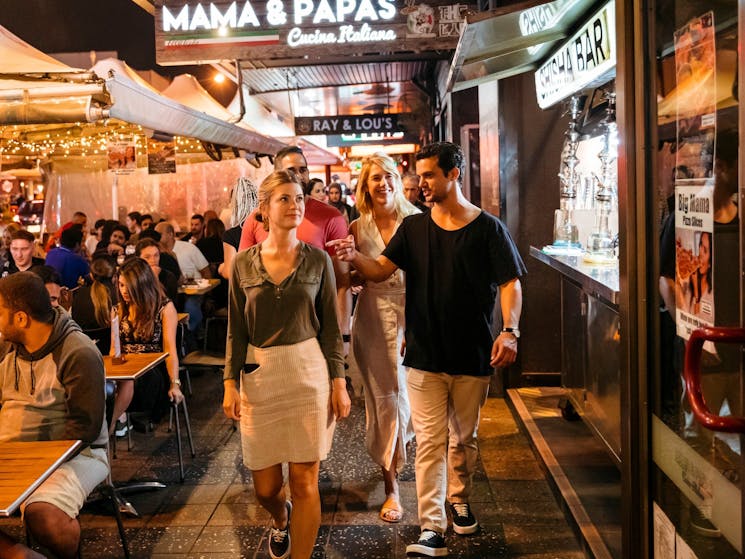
x=214, y=514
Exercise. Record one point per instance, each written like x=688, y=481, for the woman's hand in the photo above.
x=231, y=401
x=341, y=405
x=174, y=394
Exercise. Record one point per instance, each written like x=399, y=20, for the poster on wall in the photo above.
x=695, y=83
x=694, y=265
x=695, y=72
x=122, y=154
x=161, y=157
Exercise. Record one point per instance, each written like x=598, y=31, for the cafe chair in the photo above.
x=221, y=316
x=101, y=337
x=187, y=423
x=183, y=372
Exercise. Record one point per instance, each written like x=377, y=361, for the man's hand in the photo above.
x=345, y=249
x=231, y=401
x=341, y=405
x=504, y=350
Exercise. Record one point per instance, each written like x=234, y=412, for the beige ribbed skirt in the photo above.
x=285, y=406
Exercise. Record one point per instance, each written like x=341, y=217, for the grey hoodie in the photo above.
x=55, y=393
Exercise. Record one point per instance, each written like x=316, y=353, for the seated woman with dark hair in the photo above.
x=149, y=250
x=147, y=324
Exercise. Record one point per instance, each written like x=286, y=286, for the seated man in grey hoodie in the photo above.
x=51, y=388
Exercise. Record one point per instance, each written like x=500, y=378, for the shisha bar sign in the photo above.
x=193, y=32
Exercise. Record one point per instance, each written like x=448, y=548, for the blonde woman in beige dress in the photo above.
x=378, y=327
x=285, y=347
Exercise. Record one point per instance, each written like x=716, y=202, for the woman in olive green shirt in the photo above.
x=285, y=346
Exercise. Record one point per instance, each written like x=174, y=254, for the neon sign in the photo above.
x=198, y=18
x=292, y=30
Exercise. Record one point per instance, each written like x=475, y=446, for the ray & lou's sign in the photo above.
x=346, y=124
x=191, y=32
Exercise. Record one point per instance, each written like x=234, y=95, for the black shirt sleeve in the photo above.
x=396, y=251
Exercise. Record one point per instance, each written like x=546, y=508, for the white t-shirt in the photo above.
x=91, y=242
x=190, y=259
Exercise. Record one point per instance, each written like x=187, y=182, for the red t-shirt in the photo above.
x=322, y=223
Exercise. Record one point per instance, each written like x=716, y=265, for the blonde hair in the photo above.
x=102, y=272
x=385, y=162
x=267, y=188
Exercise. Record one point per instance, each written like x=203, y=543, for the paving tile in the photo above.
x=555, y=538
x=182, y=515
x=239, y=514
x=371, y=542
x=161, y=540
x=238, y=540
x=521, y=490
x=197, y=494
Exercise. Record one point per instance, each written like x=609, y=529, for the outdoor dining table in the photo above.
x=134, y=366
x=24, y=466
x=196, y=289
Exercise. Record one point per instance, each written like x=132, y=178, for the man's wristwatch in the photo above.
x=514, y=331
x=176, y=381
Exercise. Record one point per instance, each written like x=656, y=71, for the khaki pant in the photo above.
x=445, y=413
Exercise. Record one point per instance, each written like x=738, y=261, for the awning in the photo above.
x=511, y=40
x=315, y=154
x=144, y=106
x=37, y=89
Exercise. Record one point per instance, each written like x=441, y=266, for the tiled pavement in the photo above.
x=214, y=514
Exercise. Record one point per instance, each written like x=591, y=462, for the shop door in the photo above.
x=697, y=473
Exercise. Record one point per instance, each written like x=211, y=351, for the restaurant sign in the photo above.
x=194, y=32
x=349, y=140
x=346, y=124
x=587, y=59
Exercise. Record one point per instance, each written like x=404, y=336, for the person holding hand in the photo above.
x=284, y=371
x=457, y=257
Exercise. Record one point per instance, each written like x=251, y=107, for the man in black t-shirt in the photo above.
x=455, y=257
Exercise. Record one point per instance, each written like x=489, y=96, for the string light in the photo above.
x=78, y=139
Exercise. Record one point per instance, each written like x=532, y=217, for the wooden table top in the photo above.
x=136, y=364
x=26, y=465
x=192, y=289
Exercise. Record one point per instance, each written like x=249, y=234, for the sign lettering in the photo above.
x=189, y=31
x=588, y=58
x=347, y=124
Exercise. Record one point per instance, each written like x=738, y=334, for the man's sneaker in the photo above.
x=121, y=429
x=279, y=540
x=464, y=522
x=430, y=544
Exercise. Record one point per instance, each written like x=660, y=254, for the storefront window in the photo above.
x=696, y=485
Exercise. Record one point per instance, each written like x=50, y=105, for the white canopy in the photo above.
x=186, y=90
x=143, y=105
x=18, y=57
x=37, y=89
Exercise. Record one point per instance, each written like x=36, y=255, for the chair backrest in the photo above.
x=101, y=337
